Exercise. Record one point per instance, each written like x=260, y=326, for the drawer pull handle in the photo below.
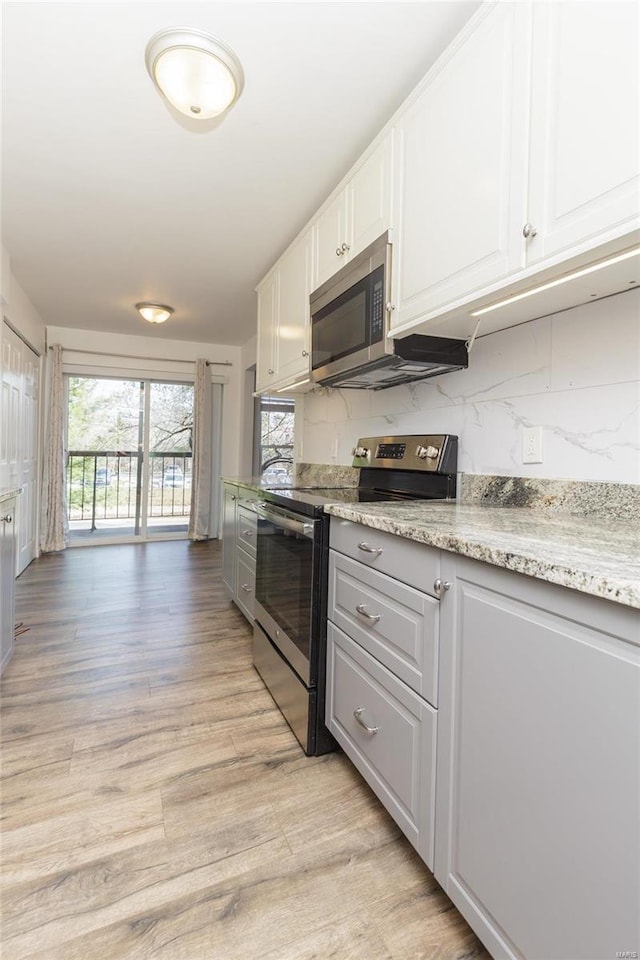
x=247, y=533
x=246, y=588
x=358, y=715
x=367, y=549
x=362, y=610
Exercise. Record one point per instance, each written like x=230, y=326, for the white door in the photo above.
x=19, y=442
x=584, y=184
x=462, y=147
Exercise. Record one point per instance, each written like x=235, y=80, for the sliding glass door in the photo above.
x=129, y=463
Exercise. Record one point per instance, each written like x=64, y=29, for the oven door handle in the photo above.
x=287, y=523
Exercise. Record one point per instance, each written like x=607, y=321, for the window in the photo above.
x=273, y=439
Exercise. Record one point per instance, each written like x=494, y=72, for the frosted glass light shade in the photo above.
x=154, y=312
x=198, y=74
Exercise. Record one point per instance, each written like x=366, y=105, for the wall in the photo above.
x=18, y=309
x=577, y=374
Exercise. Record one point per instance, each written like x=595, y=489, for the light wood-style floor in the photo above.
x=156, y=806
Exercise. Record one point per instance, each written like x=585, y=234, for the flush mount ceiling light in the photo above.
x=154, y=312
x=197, y=73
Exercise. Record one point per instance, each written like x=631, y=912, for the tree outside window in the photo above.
x=274, y=439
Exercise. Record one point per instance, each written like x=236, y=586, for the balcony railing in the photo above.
x=107, y=485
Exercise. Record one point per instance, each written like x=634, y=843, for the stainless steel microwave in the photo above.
x=350, y=346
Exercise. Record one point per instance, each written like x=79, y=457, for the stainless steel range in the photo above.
x=289, y=642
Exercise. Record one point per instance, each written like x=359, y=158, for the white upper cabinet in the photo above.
x=462, y=157
x=283, y=318
x=267, y=333
x=359, y=213
x=293, y=314
x=584, y=184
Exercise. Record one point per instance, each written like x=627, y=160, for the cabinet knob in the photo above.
x=339, y=251
x=246, y=588
x=529, y=231
x=390, y=307
x=270, y=372
x=345, y=248
x=305, y=353
x=247, y=533
x=439, y=586
x=7, y=518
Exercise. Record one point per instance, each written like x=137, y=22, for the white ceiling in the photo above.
x=108, y=199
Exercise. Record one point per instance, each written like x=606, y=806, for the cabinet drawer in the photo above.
x=404, y=637
x=247, y=529
x=398, y=759
x=408, y=561
x=246, y=583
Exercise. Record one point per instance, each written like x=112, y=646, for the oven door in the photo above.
x=284, y=584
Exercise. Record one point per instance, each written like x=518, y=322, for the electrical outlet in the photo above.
x=532, y=445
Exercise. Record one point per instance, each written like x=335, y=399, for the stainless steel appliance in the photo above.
x=290, y=629
x=350, y=346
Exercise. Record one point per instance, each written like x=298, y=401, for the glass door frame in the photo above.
x=140, y=532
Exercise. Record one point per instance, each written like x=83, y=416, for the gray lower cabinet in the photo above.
x=240, y=528
x=229, y=506
x=388, y=732
x=538, y=782
x=382, y=663
x=7, y=579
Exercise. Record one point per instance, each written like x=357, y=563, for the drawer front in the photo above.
x=246, y=583
x=395, y=623
x=247, y=529
x=408, y=561
x=397, y=755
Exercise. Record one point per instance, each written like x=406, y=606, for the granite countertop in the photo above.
x=256, y=483
x=7, y=493
x=596, y=557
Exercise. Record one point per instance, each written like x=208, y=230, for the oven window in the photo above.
x=284, y=570
x=340, y=328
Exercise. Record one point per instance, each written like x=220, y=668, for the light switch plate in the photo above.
x=532, y=444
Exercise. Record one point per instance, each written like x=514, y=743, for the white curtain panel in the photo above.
x=55, y=525
x=200, y=518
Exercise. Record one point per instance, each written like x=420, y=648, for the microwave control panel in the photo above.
x=377, y=308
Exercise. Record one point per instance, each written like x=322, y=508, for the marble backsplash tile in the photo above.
x=562, y=373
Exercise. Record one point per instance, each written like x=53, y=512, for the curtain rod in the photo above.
x=131, y=356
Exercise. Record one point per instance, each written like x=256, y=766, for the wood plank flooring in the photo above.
x=155, y=804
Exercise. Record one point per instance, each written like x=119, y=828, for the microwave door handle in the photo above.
x=287, y=523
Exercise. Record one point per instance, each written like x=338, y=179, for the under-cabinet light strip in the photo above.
x=574, y=275
x=292, y=386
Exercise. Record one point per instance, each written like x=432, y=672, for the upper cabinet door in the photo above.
x=584, y=185
x=267, y=320
x=371, y=197
x=357, y=215
x=332, y=242
x=462, y=168
x=294, y=319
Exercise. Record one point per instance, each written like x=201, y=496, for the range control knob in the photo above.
x=427, y=453
x=360, y=451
